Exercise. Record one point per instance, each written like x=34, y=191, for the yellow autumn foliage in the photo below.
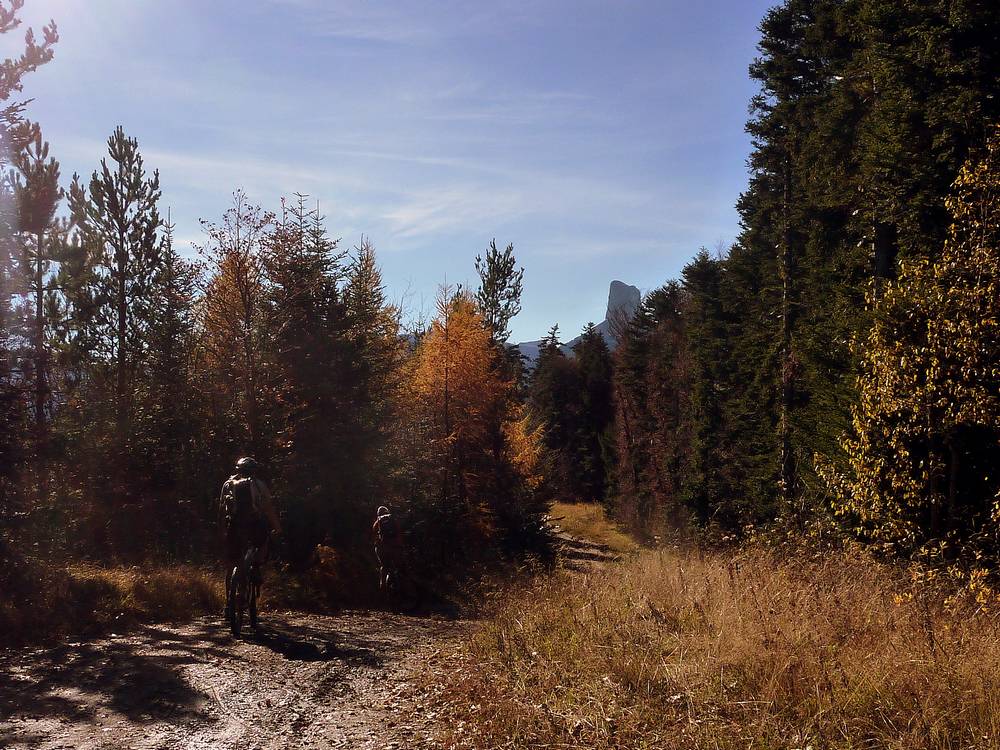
x=524, y=442
x=923, y=457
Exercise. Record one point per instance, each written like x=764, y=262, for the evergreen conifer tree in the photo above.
x=593, y=365
x=37, y=195
x=500, y=287
x=118, y=222
x=14, y=136
x=166, y=432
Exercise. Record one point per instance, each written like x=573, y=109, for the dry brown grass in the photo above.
x=49, y=601
x=681, y=649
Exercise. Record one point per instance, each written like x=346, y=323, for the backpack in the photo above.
x=388, y=530
x=239, y=501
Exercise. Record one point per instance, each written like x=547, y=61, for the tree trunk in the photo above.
x=41, y=387
x=955, y=455
x=447, y=409
x=40, y=363
x=787, y=481
x=122, y=311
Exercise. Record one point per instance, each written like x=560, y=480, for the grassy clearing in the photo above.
x=45, y=601
x=679, y=649
x=589, y=521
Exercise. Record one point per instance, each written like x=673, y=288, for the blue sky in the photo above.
x=604, y=139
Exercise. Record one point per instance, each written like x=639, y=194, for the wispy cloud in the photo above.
x=360, y=20
x=409, y=22
x=427, y=213
x=365, y=197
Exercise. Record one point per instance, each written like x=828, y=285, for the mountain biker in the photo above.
x=246, y=507
x=388, y=541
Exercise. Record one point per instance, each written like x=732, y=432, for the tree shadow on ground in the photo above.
x=300, y=642
x=579, y=550
x=73, y=681
x=367, y=639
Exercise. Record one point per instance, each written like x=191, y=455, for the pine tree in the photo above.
x=500, y=287
x=13, y=138
x=118, y=223
x=37, y=194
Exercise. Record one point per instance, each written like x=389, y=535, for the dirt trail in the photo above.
x=306, y=681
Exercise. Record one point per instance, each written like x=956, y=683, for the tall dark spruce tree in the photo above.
x=592, y=359
x=165, y=436
x=707, y=483
x=312, y=358
x=767, y=260
x=550, y=396
x=375, y=351
x=866, y=112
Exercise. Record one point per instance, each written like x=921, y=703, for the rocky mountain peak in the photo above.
x=623, y=301
x=622, y=297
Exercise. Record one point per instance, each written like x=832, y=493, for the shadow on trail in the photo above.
x=72, y=682
x=299, y=642
x=577, y=551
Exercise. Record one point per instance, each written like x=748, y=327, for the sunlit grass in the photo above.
x=80, y=597
x=589, y=521
x=688, y=649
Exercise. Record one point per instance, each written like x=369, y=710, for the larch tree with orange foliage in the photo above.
x=459, y=396
x=232, y=320
x=457, y=388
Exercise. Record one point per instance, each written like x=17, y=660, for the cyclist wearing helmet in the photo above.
x=388, y=542
x=246, y=508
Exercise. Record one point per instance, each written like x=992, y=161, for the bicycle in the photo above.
x=243, y=591
x=397, y=589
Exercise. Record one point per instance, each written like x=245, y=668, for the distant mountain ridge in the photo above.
x=623, y=301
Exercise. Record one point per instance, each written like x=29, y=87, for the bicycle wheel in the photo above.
x=239, y=603
x=230, y=590
x=254, y=593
